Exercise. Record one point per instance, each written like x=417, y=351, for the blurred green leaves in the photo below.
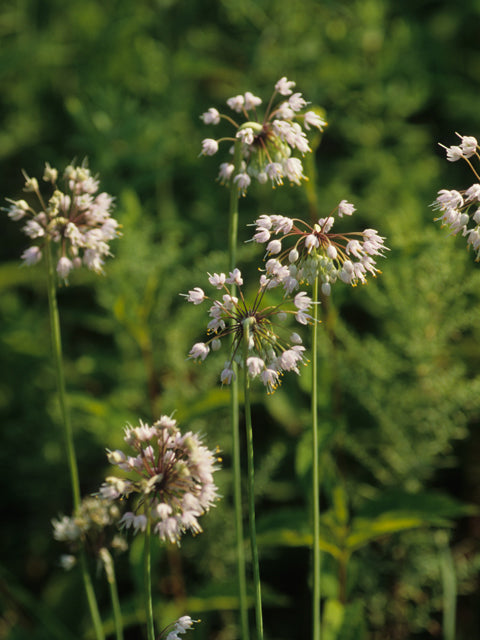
x=124, y=84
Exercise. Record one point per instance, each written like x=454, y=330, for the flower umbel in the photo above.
x=75, y=217
x=460, y=210
x=93, y=524
x=269, y=355
x=172, y=475
x=267, y=144
x=304, y=252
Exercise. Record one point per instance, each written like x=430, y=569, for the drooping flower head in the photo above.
x=256, y=324
x=460, y=210
x=169, y=474
x=178, y=628
x=303, y=252
x=268, y=144
x=92, y=526
x=75, y=217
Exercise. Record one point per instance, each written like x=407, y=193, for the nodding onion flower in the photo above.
x=459, y=209
x=93, y=526
x=177, y=628
x=254, y=326
x=267, y=144
x=304, y=252
x=75, y=217
x=170, y=474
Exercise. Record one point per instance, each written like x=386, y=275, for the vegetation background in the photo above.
x=123, y=84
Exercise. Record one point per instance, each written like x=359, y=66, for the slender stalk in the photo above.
x=70, y=447
x=58, y=359
x=112, y=583
x=91, y=599
x=251, y=486
x=316, y=599
x=233, y=209
x=147, y=577
x=449, y=584
x=234, y=413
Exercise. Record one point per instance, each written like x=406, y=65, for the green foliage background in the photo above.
x=124, y=83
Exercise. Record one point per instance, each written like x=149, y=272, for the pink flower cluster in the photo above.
x=172, y=475
x=460, y=210
x=76, y=218
x=267, y=145
x=253, y=330
x=304, y=252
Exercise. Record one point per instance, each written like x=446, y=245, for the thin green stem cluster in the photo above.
x=69, y=442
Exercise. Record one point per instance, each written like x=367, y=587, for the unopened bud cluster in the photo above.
x=94, y=524
x=75, y=217
x=267, y=145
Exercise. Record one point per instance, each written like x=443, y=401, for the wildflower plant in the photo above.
x=93, y=528
x=266, y=145
x=77, y=220
x=298, y=252
x=460, y=210
x=170, y=479
x=256, y=344
x=265, y=149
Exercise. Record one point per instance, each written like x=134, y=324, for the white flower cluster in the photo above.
x=266, y=146
x=93, y=523
x=304, y=252
x=268, y=355
x=75, y=217
x=179, y=627
x=172, y=473
x=459, y=209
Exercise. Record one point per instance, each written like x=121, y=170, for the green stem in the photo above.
x=449, y=584
x=147, y=576
x=234, y=412
x=70, y=447
x=91, y=599
x=251, y=484
x=233, y=210
x=58, y=359
x=316, y=600
x=112, y=583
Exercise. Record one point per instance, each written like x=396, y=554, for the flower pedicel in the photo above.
x=304, y=252
x=269, y=355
